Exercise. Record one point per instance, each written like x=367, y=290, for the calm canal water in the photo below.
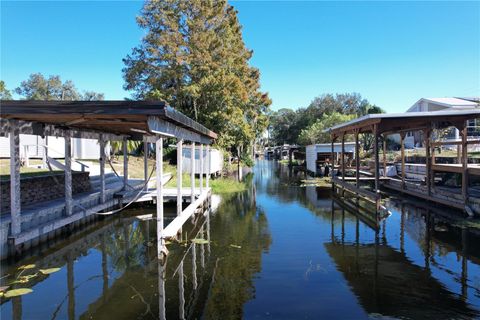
x=276, y=251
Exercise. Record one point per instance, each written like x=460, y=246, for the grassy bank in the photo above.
x=318, y=182
x=135, y=171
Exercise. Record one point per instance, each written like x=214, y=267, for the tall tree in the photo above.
x=4, y=92
x=316, y=132
x=37, y=87
x=92, y=96
x=193, y=56
x=302, y=126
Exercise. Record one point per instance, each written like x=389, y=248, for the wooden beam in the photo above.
x=68, y=176
x=373, y=196
x=169, y=129
x=423, y=195
x=15, y=202
x=159, y=171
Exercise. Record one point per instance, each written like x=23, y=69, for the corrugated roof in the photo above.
x=452, y=101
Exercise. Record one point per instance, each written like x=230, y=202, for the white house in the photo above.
x=33, y=146
x=415, y=139
x=443, y=104
x=316, y=154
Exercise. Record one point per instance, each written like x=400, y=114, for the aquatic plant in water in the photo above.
x=23, y=278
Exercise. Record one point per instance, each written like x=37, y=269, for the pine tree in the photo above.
x=193, y=56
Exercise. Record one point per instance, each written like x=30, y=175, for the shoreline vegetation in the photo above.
x=220, y=185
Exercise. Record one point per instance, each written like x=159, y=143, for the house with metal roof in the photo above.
x=444, y=104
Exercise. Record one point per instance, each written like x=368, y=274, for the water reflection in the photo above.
x=111, y=271
x=276, y=251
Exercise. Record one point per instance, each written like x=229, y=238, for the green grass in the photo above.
x=318, y=182
x=227, y=185
x=135, y=171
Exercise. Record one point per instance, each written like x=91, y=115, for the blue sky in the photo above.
x=393, y=53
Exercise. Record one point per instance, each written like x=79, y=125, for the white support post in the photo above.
x=159, y=170
x=125, y=163
x=208, y=167
x=102, y=168
x=145, y=162
x=201, y=168
x=68, y=174
x=45, y=154
x=179, y=176
x=15, y=203
x=192, y=174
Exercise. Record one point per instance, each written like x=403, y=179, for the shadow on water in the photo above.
x=277, y=251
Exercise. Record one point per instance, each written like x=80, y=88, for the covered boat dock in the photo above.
x=464, y=196
x=150, y=122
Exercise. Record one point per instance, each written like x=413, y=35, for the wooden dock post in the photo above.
x=357, y=159
x=159, y=170
x=201, y=168
x=101, y=142
x=377, y=160
x=125, y=163
x=192, y=174
x=343, y=157
x=179, y=175
x=428, y=161
x=207, y=182
x=15, y=204
x=377, y=169
x=145, y=162
x=402, y=154
x=464, y=163
x=384, y=155
x=332, y=162
x=68, y=174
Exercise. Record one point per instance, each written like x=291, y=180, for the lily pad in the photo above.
x=50, y=270
x=17, y=292
x=235, y=246
x=200, y=241
x=27, y=266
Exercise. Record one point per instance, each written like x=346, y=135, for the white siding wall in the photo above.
x=81, y=148
x=216, y=160
x=311, y=158
x=312, y=150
